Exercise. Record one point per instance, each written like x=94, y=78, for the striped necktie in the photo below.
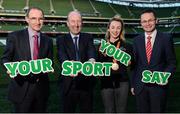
x=148, y=49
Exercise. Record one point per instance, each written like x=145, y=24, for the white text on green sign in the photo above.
x=87, y=68
x=24, y=68
x=160, y=78
x=117, y=54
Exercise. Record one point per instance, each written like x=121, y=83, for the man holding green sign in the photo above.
x=76, y=46
x=28, y=93
x=155, y=62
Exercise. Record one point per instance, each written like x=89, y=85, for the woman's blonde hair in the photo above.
x=121, y=35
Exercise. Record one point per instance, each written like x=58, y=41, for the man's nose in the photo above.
x=38, y=21
x=77, y=24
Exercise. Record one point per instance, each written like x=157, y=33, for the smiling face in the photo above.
x=115, y=29
x=74, y=22
x=35, y=19
x=148, y=22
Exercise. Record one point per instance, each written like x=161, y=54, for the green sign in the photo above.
x=117, y=54
x=160, y=78
x=72, y=68
x=24, y=68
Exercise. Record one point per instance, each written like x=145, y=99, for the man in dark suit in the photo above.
x=29, y=93
x=153, y=51
x=76, y=46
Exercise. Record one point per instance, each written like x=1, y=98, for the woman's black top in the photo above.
x=119, y=75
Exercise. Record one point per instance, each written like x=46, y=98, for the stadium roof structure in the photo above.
x=148, y=0
x=145, y=3
x=12, y=18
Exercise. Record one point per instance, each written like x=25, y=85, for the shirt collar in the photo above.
x=153, y=35
x=72, y=35
x=32, y=33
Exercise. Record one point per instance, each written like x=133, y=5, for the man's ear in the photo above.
x=27, y=20
x=67, y=23
x=157, y=21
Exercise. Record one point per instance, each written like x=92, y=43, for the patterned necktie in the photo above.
x=76, y=48
x=148, y=49
x=36, y=48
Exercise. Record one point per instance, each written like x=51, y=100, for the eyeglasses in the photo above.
x=35, y=19
x=148, y=21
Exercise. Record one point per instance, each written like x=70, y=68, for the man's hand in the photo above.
x=92, y=60
x=129, y=63
x=8, y=72
x=132, y=91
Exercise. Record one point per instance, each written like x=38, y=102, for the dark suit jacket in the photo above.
x=162, y=59
x=66, y=51
x=18, y=49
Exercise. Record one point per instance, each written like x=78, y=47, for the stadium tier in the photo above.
x=96, y=15
x=87, y=7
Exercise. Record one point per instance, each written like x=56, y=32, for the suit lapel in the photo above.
x=155, y=48
x=70, y=47
x=26, y=45
x=42, y=45
x=143, y=48
x=81, y=43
